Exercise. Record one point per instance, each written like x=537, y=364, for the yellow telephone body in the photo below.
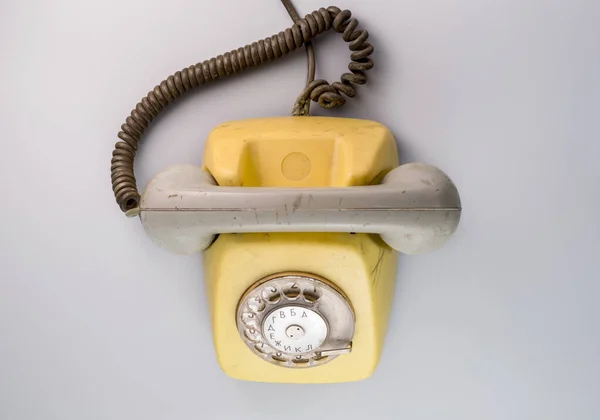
x=300, y=152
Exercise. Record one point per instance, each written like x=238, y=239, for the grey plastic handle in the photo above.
x=415, y=209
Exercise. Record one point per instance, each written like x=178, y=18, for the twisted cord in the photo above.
x=235, y=61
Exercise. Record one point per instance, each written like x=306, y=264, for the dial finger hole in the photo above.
x=278, y=357
x=252, y=334
x=271, y=294
x=291, y=291
x=299, y=360
x=312, y=294
x=256, y=304
x=249, y=318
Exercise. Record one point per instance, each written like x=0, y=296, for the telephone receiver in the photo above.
x=415, y=209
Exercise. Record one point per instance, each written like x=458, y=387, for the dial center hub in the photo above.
x=295, y=331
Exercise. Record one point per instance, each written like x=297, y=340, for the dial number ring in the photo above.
x=295, y=320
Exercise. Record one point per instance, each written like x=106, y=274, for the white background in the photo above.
x=96, y=322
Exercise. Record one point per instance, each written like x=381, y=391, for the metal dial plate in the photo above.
x=295, y=320
x=295, y=328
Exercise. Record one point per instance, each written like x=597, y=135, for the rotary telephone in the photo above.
x=299, y=219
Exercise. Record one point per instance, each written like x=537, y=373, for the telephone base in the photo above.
x=360, y=265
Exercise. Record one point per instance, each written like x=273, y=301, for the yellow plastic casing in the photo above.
x=300, y=152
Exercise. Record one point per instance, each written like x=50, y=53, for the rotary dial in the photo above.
x=295, y=320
